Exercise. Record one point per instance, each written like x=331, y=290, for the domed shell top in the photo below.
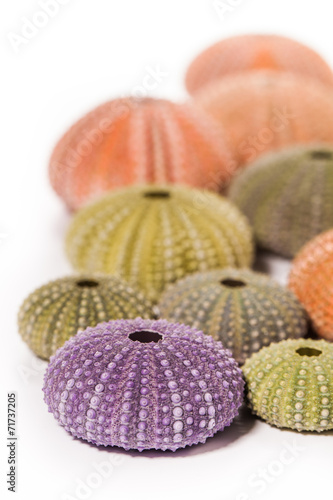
x=153, y=236
x=131, y=141
x=311, y=279
x=288, y=197
x=143, y=384
x=265, y=111
x=239, y=54
x=289, y=384
x=243, y=309
x=58, y=310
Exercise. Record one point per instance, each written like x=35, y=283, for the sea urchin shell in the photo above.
x=288, y=197
x=142, y=384
x=137, y=141
x=289, y=384
x=243, y=309
x=266, y=111
x=57, y=310
x=152, y=236
x=239, y=54
x=311, y=279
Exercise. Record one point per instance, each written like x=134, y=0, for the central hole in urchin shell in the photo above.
x=321, y=155
x=158, y=194
x=87, y=283
x=231, y=283
x=308, y=351
x=145, y=336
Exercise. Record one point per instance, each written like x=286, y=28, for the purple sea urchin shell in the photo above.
x=143, y=384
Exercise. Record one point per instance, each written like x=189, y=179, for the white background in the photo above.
x=87, y=53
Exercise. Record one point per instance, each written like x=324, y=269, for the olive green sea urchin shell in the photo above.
x=244, y=309
x=152, y=236
x=288, y=197
x=57, y=310
x=290, y=384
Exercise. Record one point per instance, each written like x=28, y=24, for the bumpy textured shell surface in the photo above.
x=130, y=141
x=153, y=236
x=290, y=384
x=243, y=309
x=57, y=310
x=311, y=279
x=265, y=111
x=243, y=53
x=143, y=384
x=288, y=197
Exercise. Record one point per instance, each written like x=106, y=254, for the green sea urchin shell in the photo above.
x=152, y=236
x=288, y=197
x=244, y=309
x=290, y=384
x=57, y=310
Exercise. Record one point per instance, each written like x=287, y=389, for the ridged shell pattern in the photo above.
x=132, y=141
x=239, y=54
x=152, y=236
x=58, y=310
x=243, y=309
x=288, y=197
x=290, y=384
x=267, y=111
x=142, y=384
x=311, y=279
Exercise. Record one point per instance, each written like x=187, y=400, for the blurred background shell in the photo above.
x=265, y=111
x=244, y=309
x=311, y=279
x=289, y=384
x=153, y=236
x=239, y=54
x=58, y=310
x=131, y=141
x=287, y=197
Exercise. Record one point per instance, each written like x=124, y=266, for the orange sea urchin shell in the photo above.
x=265, y=111
x=311, y=279
x=131, y=141
x=243, y=53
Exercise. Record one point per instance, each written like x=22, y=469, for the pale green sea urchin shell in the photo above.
x=152, y=236
x=290, y=384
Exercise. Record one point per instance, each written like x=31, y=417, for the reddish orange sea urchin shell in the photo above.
x=243, y=53
x=311, y=279
x=265, y=111
x=132, y=141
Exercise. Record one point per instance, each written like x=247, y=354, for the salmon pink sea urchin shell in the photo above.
x=252, y=52
x=267, y=111
x=142, y=384
x=139, y=141
x=311, y=279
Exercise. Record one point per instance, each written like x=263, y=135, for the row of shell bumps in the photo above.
x=146, y=340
